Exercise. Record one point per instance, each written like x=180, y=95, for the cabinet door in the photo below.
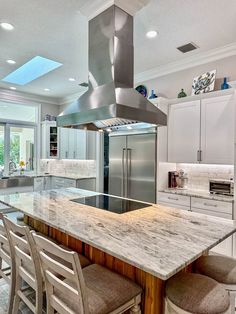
x=184, y=132
x=64, y=143
x=87, y=184
x=72, y=134
x=217, y=130
x=81, y=144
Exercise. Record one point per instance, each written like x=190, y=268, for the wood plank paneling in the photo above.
x=153, y=288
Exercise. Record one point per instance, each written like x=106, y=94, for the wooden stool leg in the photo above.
x=135, y=309
x=232, y=301
x=16, y=302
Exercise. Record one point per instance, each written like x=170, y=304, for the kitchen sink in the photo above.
x=16, y=181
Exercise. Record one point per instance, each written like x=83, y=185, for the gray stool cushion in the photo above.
x=220, y=268
x=106, y=290
x=197, y=294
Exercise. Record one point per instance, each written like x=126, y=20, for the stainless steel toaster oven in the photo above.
x=224, y=187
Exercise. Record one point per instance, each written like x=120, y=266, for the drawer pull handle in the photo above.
x=173, y=198
x=212, y=205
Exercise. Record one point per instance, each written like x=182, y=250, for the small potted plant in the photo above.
x=22, y=165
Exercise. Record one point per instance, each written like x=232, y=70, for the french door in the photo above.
x=17, y=146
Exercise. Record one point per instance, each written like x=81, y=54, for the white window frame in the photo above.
x=8, y=123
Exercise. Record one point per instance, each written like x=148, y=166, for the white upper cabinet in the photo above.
x=184, y=132
x=50, y=147
x=217, y=130
x=202, y=131
x=77, y=144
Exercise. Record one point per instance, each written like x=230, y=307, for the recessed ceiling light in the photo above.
x=151, y=34
x=13, y=88
x=7, y=26
x=71, y=79
x=109, y=130
x=11, y=61
x=129, y=127
x=47, y=89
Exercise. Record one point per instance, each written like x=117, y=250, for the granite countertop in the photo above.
x=156, y=239
x=69, y=176
x=201, y=194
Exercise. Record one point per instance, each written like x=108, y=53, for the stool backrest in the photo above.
x=26, y=258
x=5, y=252
x=63, y=276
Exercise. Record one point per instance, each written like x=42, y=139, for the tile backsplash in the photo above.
x=199, y=175
x=72, y=168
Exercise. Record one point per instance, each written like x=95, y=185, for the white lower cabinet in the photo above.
x=59, y=182
x=42, y=183
x=174, y=200
x=217, y=209
x=204, y=206
x=87, y=184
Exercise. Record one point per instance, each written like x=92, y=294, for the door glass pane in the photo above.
x=21, y=148
x=1, y=148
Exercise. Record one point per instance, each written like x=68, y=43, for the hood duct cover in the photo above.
x=110, y=99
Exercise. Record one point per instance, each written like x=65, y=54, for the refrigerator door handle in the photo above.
x=123, y=172
x=129, y=150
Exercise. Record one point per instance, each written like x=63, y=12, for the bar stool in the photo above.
x=195, y=293
x=92, y=290
x=222, y=269
x=28, y=268
x=7, y=263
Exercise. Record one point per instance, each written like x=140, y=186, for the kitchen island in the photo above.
x=148, y=245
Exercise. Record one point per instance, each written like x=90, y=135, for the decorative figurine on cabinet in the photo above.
x=225, y=85
x=182, y=94
x=153, y=95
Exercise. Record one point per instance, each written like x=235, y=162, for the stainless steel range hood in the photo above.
x=110, y=100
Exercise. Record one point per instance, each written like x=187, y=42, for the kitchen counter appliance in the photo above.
x=224, y=187
x=110, y=203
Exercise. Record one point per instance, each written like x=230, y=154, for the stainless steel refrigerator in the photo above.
x=132, y=166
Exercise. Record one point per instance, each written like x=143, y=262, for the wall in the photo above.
x=199, y=175
x=170, y=85
x=70, y=168
x=49, y=109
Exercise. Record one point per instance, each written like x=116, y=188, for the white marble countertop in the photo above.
x=156, y=239
x=201, y=194
x=69, y=176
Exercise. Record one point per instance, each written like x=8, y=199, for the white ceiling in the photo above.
x=56, y=29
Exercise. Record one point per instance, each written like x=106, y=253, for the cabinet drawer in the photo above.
x=212, y=205
x=174, y=199
x=174, y=205
x=211, y=213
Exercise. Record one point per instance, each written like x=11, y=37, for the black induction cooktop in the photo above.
x=111, y=203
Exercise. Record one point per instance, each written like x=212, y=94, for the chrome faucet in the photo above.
x=12, y=167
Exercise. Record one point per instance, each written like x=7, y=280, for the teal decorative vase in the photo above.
x=182, y=94
x=153, y=95
x=225, y=85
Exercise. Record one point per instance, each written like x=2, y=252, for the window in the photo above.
x=1, y=147
x=18, y=112
x=18, y=129
x=22, y=146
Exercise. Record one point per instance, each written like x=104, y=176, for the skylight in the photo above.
x=31, y=70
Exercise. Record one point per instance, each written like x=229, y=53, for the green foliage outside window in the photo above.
x=15, y=149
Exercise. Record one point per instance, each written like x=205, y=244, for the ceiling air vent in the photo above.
x=188, y=47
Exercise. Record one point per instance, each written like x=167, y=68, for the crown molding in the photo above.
x=22, y=97
x=93, y=8
x=190, y=62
